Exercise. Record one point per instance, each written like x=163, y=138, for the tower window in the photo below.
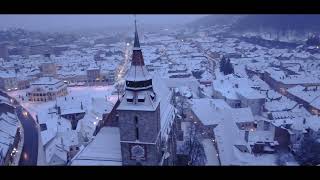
x=141, y=98
x=137, y=127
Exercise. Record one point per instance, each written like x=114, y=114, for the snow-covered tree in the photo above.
x=283, y=158
x=193, y=148
x=308, y=152
x=119, y=86
x=225, y=66
x=222, y=64
x=182, y=105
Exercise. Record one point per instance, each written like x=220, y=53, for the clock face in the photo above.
x=137, y=152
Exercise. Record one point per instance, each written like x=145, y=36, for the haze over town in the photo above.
x=159, y=90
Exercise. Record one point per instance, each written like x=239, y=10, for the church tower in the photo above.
x=139, y=114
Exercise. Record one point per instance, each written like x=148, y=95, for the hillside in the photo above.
x=212, y=20
x=299, y=23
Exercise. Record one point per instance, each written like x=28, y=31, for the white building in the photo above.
x=8, y=81
x=46, y=89
x=238, y=93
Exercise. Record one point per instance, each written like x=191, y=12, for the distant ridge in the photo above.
x=212, y=20
x=300, y=23
x=278, y=22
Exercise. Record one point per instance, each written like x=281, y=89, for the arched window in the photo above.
x=137, y=127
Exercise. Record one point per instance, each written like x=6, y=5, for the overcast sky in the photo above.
x=62, y=22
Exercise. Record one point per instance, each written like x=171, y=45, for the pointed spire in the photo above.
x=136, y=37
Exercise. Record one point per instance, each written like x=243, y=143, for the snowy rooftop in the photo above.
x=280, y=76
x=210, y=151
x=46, y=81
x=103, y=150
x=204, y=109
x=8, y=129
x=7, y=74
x=240, y=115
x=308, y=95
x=230, y=86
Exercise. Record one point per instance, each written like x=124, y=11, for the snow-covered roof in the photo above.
x=280, y=76
x=103, y=150
x=211, y=154
x=138, y=73
x=230, y=87
x=261, y=136
x=240, y=115
x=7, y=74
x=8, y=129
x=46, y=81
x=310, y=95
x=227, y=135
x=278, y=102
x=211, y=111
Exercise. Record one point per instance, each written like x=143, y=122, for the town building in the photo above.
x=9, y=132
x=48, y=67
x=238, y=93
x=46, y=89
x=4, y=52
x=8, y=81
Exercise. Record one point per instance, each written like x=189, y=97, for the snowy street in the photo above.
x=29, y=153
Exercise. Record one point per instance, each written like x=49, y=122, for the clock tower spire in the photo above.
x=139, y=113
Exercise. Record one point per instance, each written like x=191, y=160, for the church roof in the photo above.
x=136, y=37
x=137, y=71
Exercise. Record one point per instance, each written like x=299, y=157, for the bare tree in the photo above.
x=283, y=158
x=182, y=105
x=119, y=88
x=193, y=147
x=308, y=152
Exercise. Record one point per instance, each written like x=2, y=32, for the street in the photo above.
x=29, y=153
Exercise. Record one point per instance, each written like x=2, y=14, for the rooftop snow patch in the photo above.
x=104, y=149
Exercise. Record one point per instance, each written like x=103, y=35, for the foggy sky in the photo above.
x=65, y=22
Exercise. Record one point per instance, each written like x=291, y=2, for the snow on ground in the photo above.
x=81, y=93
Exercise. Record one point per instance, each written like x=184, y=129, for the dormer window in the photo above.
x=129, y=98
x=141, y=98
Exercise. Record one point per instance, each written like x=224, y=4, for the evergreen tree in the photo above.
x=314, y=40
x=222, y=64
x=308, y=152
x=226, y=66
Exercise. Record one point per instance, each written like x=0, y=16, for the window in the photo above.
x=137, y=127
x=141, y=98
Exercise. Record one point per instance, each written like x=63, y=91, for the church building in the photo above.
x=145, y=119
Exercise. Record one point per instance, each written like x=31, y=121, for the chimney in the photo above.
x=59, y=110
